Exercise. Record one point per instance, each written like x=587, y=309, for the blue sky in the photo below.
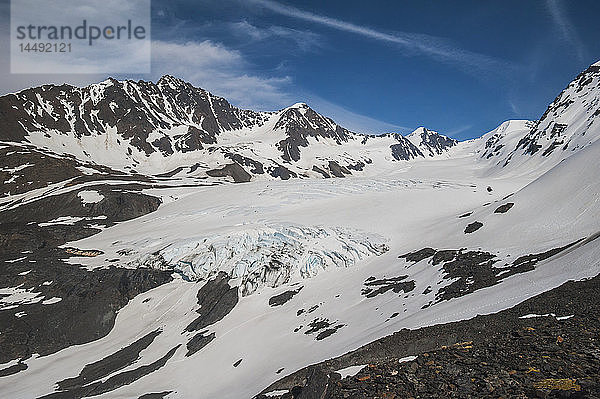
x=459, y=67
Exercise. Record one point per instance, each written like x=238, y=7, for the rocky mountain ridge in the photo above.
x=171, y=128
x=156, y=128
x=570, y=123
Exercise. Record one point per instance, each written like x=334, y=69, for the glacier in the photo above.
x=267, y=255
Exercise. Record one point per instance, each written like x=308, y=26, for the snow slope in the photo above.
x=409, y=212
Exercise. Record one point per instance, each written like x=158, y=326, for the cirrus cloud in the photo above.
x=220, y=70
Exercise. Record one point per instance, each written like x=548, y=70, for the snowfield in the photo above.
x=340, y=228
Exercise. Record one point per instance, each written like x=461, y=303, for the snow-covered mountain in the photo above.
x=430, y=143
x=173, y=127
x=129, y=267
x=567, y=123
x=570, y=123
x=503, y=140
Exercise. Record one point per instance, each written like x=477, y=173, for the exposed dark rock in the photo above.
x=89, y=299
x=163, y=145
x=317, y=382
x=116, y=206
x=237, y=363
x=435, y=143
x=194, y=139
x=546, y=132
x=404, y=150
x=337, y=170
x=114, y=382
x=328, y=332
x=14, y=369
x=471, y=227
x=312, y=308
x=525, y=362
x=233, y=170
x=443, y=255
x=86, y=312
x=529, y=144
x=301, y=124
x=553, y=146
x=134, y=118
x=155, y=395
x=216, y=299
x=281, y=172
x=172, y=172
x=44, y=169
x=527, y=262
x=195, y=167
x=282, y=298
x=255, y=166
x=316, y=325
x=110, y=364
x=464, y=215
x=416, y=256
x=321, y=171
x=395, y=284
x=504, y=208
x=470, y=271
x=199, y=341
x=357, y=166
x=323, y=327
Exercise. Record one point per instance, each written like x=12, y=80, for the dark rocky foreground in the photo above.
x=497, y=356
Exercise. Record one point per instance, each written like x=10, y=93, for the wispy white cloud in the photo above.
x=207, y=64
x=351, y=120
x=565, y=27
x=204, y=63
x=514, y=108
x=244, y=28
x=220, y=70
x=10, y=82
x=436, y=48
x=456, y=132
x=304, y=40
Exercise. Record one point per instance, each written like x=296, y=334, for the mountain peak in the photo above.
x=108, y=81
x=421, y=130
x=430, y=142
x=298, y=106
x=169, y=80
x=144, y=126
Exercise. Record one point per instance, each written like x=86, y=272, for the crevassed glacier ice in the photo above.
x=267, y=255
